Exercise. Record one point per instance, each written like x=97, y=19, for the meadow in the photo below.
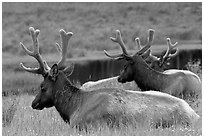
x=92, y=25
x=18, y=118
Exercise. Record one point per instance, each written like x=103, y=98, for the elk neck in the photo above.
x=67, y=97
x=146, y=77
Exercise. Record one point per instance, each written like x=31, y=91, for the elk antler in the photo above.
x=118, y=39
x=137, y=42
x=155, y=60
x=143, y=51
x=148, y=45
x=146, y=55
x=65, y=37
x=168, y=54
x=41, y=70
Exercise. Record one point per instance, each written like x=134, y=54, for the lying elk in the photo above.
x=112, y=82
x=110, y=106
x=160, y=64
x=176, y=84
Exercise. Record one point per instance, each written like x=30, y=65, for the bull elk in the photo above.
x=151, y=60
x=111, y=106
x=136, y=69
x=112, y=82
x=160, y=64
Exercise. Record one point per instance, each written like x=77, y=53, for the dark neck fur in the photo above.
x=66, y=98
x=147, y=78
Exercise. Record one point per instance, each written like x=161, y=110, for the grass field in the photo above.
x=92, y=25
x=19, y=89
x=20, y=119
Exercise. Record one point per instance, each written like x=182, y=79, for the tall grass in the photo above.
x=195, y=67
x=29, y=122
x=19, y=118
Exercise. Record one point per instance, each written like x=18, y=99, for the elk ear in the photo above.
x=68, y=70
x=54, y=72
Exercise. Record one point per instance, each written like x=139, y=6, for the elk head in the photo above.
x=128, y=72
x=160, y=63
x=52, y=76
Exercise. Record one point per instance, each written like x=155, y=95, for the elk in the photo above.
x=136, y=69
x=160, y=64
x=110, y=105
x=112, y=82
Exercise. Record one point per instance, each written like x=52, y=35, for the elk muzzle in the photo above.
x=36, y=103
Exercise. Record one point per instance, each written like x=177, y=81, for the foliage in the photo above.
x=195, y=67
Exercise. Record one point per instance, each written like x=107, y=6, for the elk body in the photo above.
x=136, y=69
x=110, y=106
x=109, y=83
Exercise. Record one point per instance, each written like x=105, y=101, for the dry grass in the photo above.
x=29, y=122
x=20, y=119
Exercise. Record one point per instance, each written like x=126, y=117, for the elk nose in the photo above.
x=34, y=105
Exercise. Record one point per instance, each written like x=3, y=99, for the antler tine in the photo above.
x=172, y=46
x=41, y=70
x=149, y=43
x=31, y=70
x=59, y=48
x=169, y=49
x=118, y=39
x=146, y=54
x=137, y=41
x=46, y=65
x=65, y=37
x=116, y=57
